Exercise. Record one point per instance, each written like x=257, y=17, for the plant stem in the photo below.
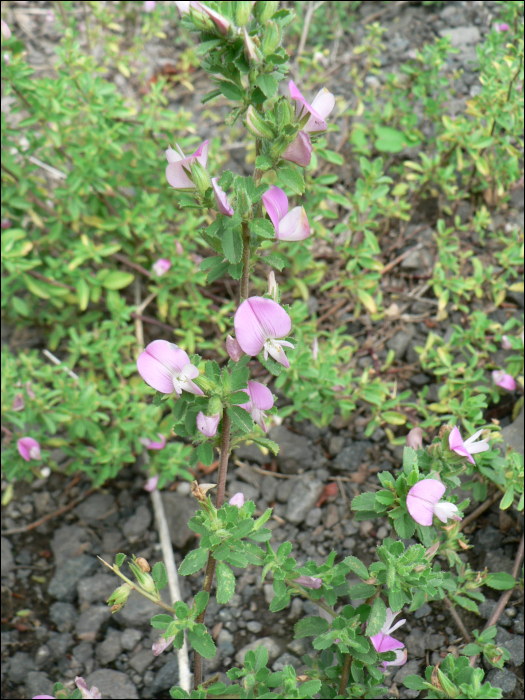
x=210, y=567
x=320, y=603
x=458, y=620
x=345, y=675
x=480, y=509
x=244, y=288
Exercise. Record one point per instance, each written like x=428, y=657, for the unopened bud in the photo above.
x=214, y=406
x=265, y=10
x=119, y=597
x=271, y=38
x=414, y=438
x=243, y=10
x=233, y=349
x=448, y=687
x=221, y=23
x=273, y=289
x=257, y=125
x=250, y=48
x=143, y=564
x=432, y=550
x=243, y=203
x=144, y=579
x=200, y=177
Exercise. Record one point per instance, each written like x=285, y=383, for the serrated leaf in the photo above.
x=365, y=501
x=263, y=228
x=404, y=526
x=471, y=650
x=239, y=397
x=225, y=583
x=310, y=627
x=203, y=644
x=159, y=575
x=268, y=84
x=357, y=567
x=117, y=280
x=465, y=603
x=279, y=603
x=217, y=272
x=361, y=590
x=201, y=601
x=119, y=559
x=500, y=581
x=396, y=600
x=275, y=260
x=193, y=561
x=229, y=90
x=263, y=163
x=205, y=453
x=210, y=263
x=415, y=683
x=241, y=418
x=377, y=617
x=161, y=622
x=292, y=179
x=232, y=245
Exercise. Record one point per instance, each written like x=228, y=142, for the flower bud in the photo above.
x=243, y=10
x=222, y=24
x=265, y=10
x=233, y=349
x=200, y=177
x=271, y=38
x=257, y=126
x=415, y=438
x=448, y=687
x=119, y=596
x=214, y=405
x=144, y=579
x=250, y=48
x=273, y=289
x=237, y=500
x=243, y=203
x=143, y=564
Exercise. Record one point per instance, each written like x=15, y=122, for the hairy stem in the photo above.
x=320, y=603
x=458, y=620
x=345, y=675
x=244, y=288
x=210, y=567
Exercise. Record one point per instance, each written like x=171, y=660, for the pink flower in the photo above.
x=289, y=225
x=161, y=645
x=28, y=448
x=261, y=399
x=183, y=6
x=501, y=27
x=320, y=108
x=152, y=445
x=208, y=425
x=149, y=5
x=221, y=23
x=91, y=694
x=220, y=198
x=415, y=438
x=382, y=641
x=237, y=500
x=423, y=503
x=505, y=343
x=259, y=324
x=249, y=47
x=167, y=368
x=6, y=32
x=161, y=267
x=469, y=447
x=18, y=402
x=50, y=16
x=504, y=380
x=309, y=582
x=300, y=150
x=179, y=166
x=151, y=483
x=233, y=349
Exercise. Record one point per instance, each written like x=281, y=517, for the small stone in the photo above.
x=502, y=678
x=332, y=516
x=513, y=434
x=96, y=588
x=335, y=445
x=415, y=642
x=296, y=452
x=141, y=660
x=95, y=508
x=400, y=342
x=68, y=542
x=42, y=656
x=63, y=585
x=314, y=518
x=64, y=615
x=515, y=646
x=130, y=638
x=251, y=453
x=461, y=37
x=167, y=676
x=37, y=683
x=412, y=667
x=303, y=498
x=351, y=458
x=269, y=593
x=366, y=527
x=299, y=647
x=90, y=622
x=20, y=664
x=83, y=653
x=269, y=488
x=348, y=545
x=60, y=644
x=296, y=609
x=110, y=648
x=135, y=527
x=138, y=610
x=434, y=641
x=250, y=492
x=423, y=611
x=179, y=509
x=7, y=556
x=382, y=533
x=112, y=684
x=286, y=659
x=268, y=642
x=254, y=626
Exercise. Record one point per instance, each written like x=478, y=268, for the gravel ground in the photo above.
x=52, y=571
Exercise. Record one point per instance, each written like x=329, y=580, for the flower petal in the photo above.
x=415, y=438
x=28, y=448
x=261, y=397
x=323, y=103
x=159, y=363
x=161, y=645
x=422, y=498
x=383, y=642
x=276, y=204
x=257, y=320
x=476, y=447
x=233, y=349
x=446, y=511
x=309, y=582
x=237, y=500
x=294, y=226
x=207, y=425
x=152, y=444
x=300, y=150
x=220, y=198
x=151, y=483
x=455, y=441
x=504, y=380
x=278, y=354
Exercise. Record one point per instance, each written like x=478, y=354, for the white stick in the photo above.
x=173, y=583
x=56, y=361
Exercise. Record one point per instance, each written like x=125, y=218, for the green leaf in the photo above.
x=241, y=418
x=119, y=559
x=159, y=575
x=357, y=567
x=471, y=650
x=310, y=627
x=225, y=583
x=275, y=260
x=409, y=460
x=209, y=95
x=232, y=244
x=507, y=499
x=364, y=501
x=263, y=163
x=268, y=84
x=396, y=600
x=385, y=497
x=361, y=590
x=210, y=263
x=292, y=179
x=500, y=581
x=239, y=397
x=309, y=689
x=390, y=140
x=405, y=526
x=263, y=228
x=377, y=617
x=229, y=90
x=415, y=683
x=280, y=602
x=205, y=453
x=161, y=622
x=217, y=272
x=465, y=603
x=118, y=280
x=203, y=644
x=193, y=561
x=201, y=601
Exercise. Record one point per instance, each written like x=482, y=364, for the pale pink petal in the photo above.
x=208, y=425
x=172, y=156
x=300, y=150
x=92, y=694
x=505, y=343
x=222, y=24
x=315, y=348
x=6, y=32
x=149, y=5
x=473, y=438
x=18, y=403
x=183, y=6
x=278, y=355
x=152, y=444
x=455, y=441
x=316, y=123
x=446, y=511
x=188, y=373
x=233, y=349
x=258, y=417
x=161, y=267
x=477, y=447
x=237, y=500
x=503, y=380
x=261, y=397
x=422, y=498
x=383, y=642
x=400, y=660
x=294, y=226
x=177, y=166
x=30, y=391
x=161, y=645
x=276, y=204
x=250, y=333
x=415, y=438
x=151, y=483
x=309, y=582
x=220, y=198
x=28, y=448
x=388, y=627
x=323, y=103
x=201, y=154
x=160, y=363
x=43, y=697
